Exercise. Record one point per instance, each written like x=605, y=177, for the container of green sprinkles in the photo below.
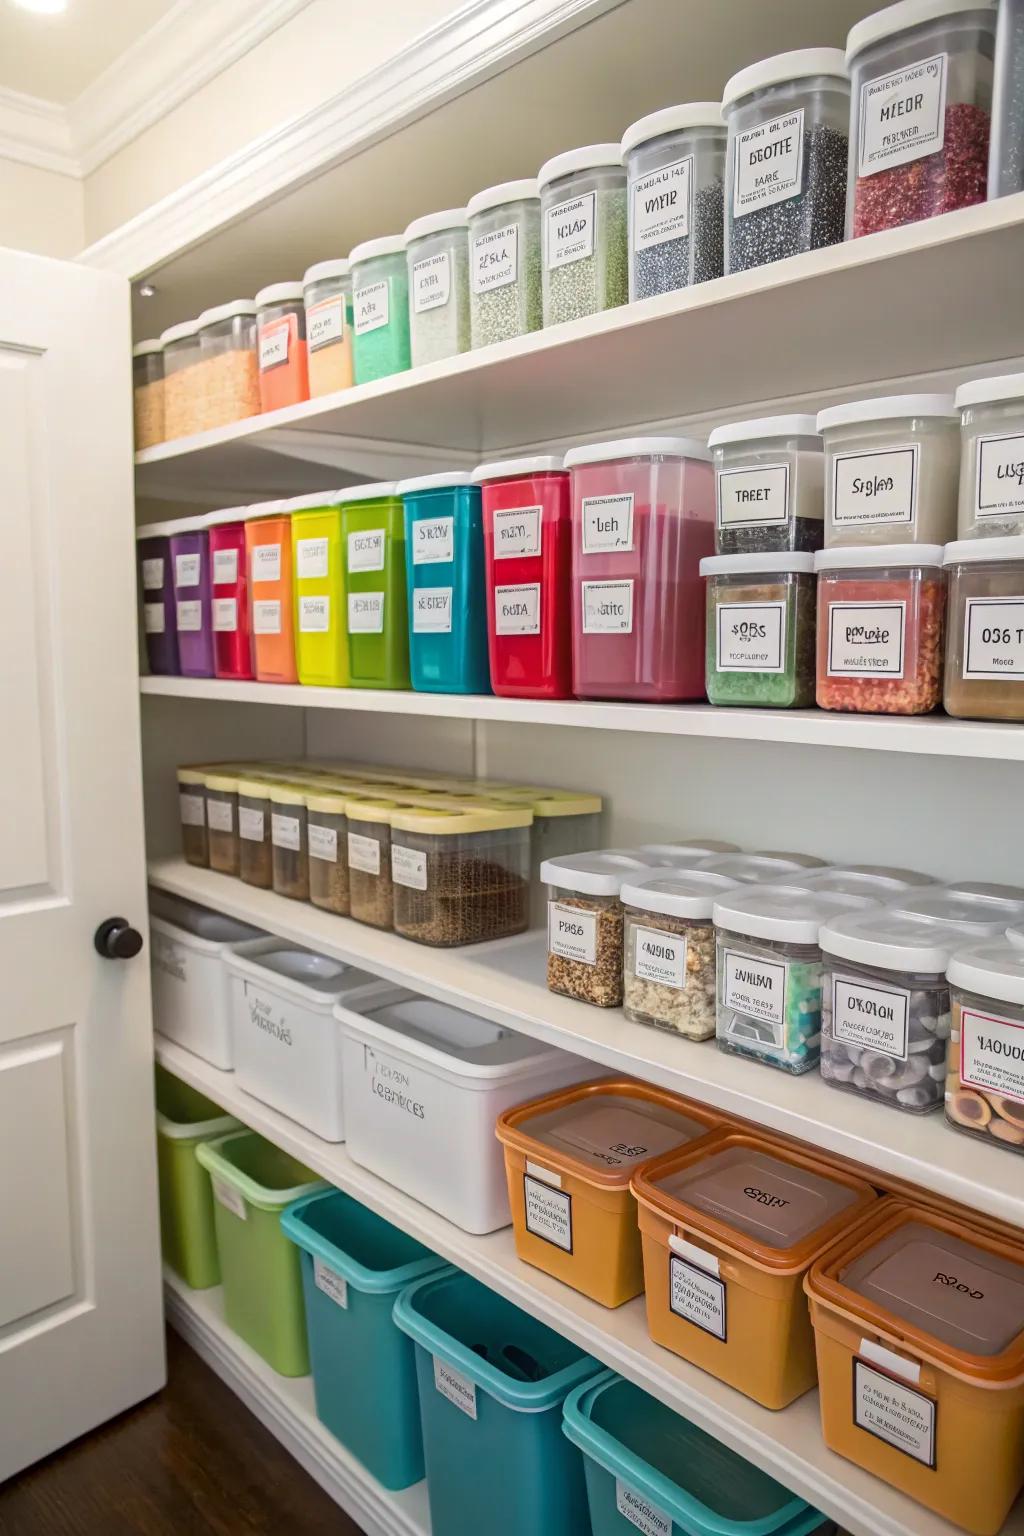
x=380, y=308
x=675, y=165
x=437, y=252
x=584, y=232
x=761, y=617
x=504, y=262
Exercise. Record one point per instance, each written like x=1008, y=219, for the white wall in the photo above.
x=40, y=211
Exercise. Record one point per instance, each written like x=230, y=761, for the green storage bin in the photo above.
x=373, y=538
x=252, y=1183
x=184, y=1118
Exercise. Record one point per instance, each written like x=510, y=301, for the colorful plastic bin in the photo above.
x=184, y=1118
x=190, y=559
x=377, y=620
x=268, y=543
x=156, y=586
x=229, y=595
x=444, y=545
x=318, y=567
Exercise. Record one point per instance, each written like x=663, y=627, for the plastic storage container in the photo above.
x=921, y=74
x=564, y=822
x=688, y=853
x=191, y=562
x=729, y=1230
x=255, y=833
x=289, y=851
x=568, y=1160
x=380, y=308
x=195, y=843
x=585, y=238
x=327, y=296
x=423, y=1084
x=318, y=565
x=769, y=485
x=919, y=1325
x=253, y=1181
x=881, y=623
x=884, y=882
x=156, y=584
x=221, y=791
x=505, y=296
x=675, y=166
x=327, y=837
x=891, y=468
x=1006, y=149
x=986, y=909
x=528, y=548
x=373, y=536
x=669, y=951
x=184, y=1118
x=643, y=517
x=759, y=868
x=191, y=985
x=268, y=543
x=492, y=1381
x=992, y=452
x=760, y=629
x=785, y=180
x=228, y=374
x=229, y=595
x=371, y=896
x=181, y=361
x=437, y=252
x=444, y=544
x=985, y=1065
x=354, y=1264
x=148, y=393
x=985, y=645
x=460, y=876
x=585, y=922
x=284, y=369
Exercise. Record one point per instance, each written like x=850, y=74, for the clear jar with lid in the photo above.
x=327, y=840
x=688, y=853
x=584, y=232
x=181, y=361
x=221, y=792
x=585, y=922
x=1006, y=151
x=437, y=251
x=760, y=868
x=380, y=308
x=460, y=876
x=981, y=908
x=327, y=297
x=985, y=648
x=891, y=470
x=675, y=166
x=195, y=845
x=504, y=262
x=769, y=485
x=288, y=840
x=985, y=1063
x=760, y=629
x=281, y=337
x=885, y=883
x=785, y=182
x=371, y=896
x=148, y=392
x=669, y=951
x=991, y=454
x=229, y=376
x=255, y=850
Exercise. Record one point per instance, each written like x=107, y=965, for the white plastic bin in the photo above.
x=191, y=984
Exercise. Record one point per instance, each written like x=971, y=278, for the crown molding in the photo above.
x=36, y=132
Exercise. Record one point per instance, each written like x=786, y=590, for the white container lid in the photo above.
x=263, y=509
x=156, y=530
x=1008, y=386
x=317, y=981
x=524, y=190
x=279, y=293
x=375, y=492
x=753, y=868
x=179, y=332
x=985, y=914
x=435, y=223
x=895, y=941
x=883, y=882
x=453, y=479
x=225, y=515
x=689, y=851
x=145, y=348
x=226, y=311
x=203, y=927
x=691, y=893
x=589, y=157
x=986, y=888
x=995, y=968
x=907, y=13
x=312, y=499
x=691, y=114
x=594, y=874
x=885, y=408
x=189, y=524
x=763, y=427
x=796, y=860
x=386, y=245
x=637, y=448
x=787, y=913
x=873, y=556
x=504, y=469
x=800, y=64
x=784, y=561
x=970, y=551
x=338, y=266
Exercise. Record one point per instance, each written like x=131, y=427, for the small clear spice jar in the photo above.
x=585, y=922
x=891, y=468
x=327, y=296
x=991, y=501
x=769, y=485
x=675, y=168
x=460, y=876
x=229, y=375
x=584, y=232
x=881, y=620
x=380, y=308
x=195, y=846
x=281, y=339
x=437, y=252
x=985, y=647
x=221, y=792
x=985, y=1062
x=288, y=841
x=371, y=897
x=921, y=74
x=669, y=951
x=327, y=840
x=148, y=392
x=785, y=180
x=504, y=262
x=255, y=851
x=181, y=363
x=760, y=629
x=1006, y=150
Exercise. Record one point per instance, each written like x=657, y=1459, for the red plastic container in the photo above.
x=643, y=517
x=528, y=548
x=229, y=595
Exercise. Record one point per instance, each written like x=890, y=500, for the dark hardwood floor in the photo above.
x=190, y=1462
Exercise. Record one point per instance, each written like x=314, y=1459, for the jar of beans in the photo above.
x=327, y=841
x=148, y=392
x=229, y=388
x=584, y=232
x=460, y=876
x=192, y=817
x=181, y=361
x=585, y=922
x=675, y=165
x=985, y=1064
x=881, y=617
x=281, y=333
x=669, y=951
x=891, y=470
x=380, y=308
x=760, y=629
x=991, y=501
x=504, y=262
x=437, y=252
x=327, y=295
x=255, y=849
x=985, y=654
x=769, y=485
x=369, y=861
x=785, y=184
x=921, y=74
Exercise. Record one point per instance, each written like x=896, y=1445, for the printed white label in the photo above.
x=660, y=204
x=330, y=1282
x=457, y=1389
x=769, y=163
x=894, y=1413
x=225, y=615
x=548, y=1213
x=250, y=824
x=999, y=479
x=225, y=566
x=408, y=867
x=220, y=815
x=323, y=843
x=266, y=616
x=495, y=259
x=872, y=488
x=874, y=1018
x=993, y=638
x=230, y=1198
x=366, y=613
x=660, y=957
x=433, y=541
x=190, y=616
x=366, y=550
x=371, y=307
x=866, y=639
x=311, y=559
x=753, y=498
x=572, y=933
x=517, y=610
x=569, y=231
x=325, y=323
x=607, y=607
x=363, y=853
x=154, y=619
x=192, y=809
x=902, y=116
x=432, y=611
x=152, y=574
x=314, y=615
x=992, y=1053
x=647, y=1517
x=285, y=831
x=607, y=523
x=187, y=570
x=751, y=637
x=274, y=341
x=697, y=1296
x=516, y=532
x=266, y=562
x=431, y=282
x=755, y=987
x=890, y=1361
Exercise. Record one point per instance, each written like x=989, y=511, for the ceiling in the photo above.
x=56, y=57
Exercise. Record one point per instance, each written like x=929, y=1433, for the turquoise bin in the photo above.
x=492, y=1383
x=444, y=567
x=669, y=1475
x=354, y=1263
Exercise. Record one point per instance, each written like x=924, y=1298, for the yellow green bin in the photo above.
x=184, y=1119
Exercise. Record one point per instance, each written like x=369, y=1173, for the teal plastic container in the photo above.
x=444, y=548
x=492, y=1382
x=354, y=1263
x=669, y=1475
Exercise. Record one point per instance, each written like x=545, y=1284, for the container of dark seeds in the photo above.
x=460, y=876
x=675, y=168
x=769, y=486
x=785, y=184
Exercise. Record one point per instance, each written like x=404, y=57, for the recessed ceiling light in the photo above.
x=43, y=7
x=146, y=290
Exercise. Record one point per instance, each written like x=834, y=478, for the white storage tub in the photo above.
x=191, y=985
x=287, y=1045
x=424, y=1084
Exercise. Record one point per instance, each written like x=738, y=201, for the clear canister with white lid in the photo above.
x=583, y=232
x=181, y=360
x=985, y=1065
x=229, y=380
x=984, y=677
x=505, y=297
x=327, y=297
x=437, y=251
x=675, y=165
x=986, y=911
x=882, y=882
x=769, y=485
x=1006, y=150
x=891, y=470
x=759, y=868
x=380, y=308
x=991, y=453
x=148, y=392
x=585, y=922
x=687, y=853
x=669, y=951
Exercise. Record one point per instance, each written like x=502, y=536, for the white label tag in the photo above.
x=325, y=323
x=517, y=610
x=408, y=867
x=516, y=532
x=569, y=231
x=457, y=1389
x=187, y=569
x=647, y=1517
x=266, y=562
x=572, y=933
x=230, y=1198
x=548, y=1213
x=866, y=639
x=225, y=615
x=363, y=853
x=330, y=1282
x=366, y=613
x=751, y=637
x=153, y=618
x=250, y=824
x=993, y=638
x=311, y=559
x=366, y=550
x=753, y=498
x=274, y=341
x=756, y=987
x=495, y=259
x=225, y=567
x=285, y=831
x=220, y=815
x=607, y=607
x=432, y=610
x=433, y=540
x=889, y=1360
x=697, y=1296
x=999, y=480
x=152, y=574
x=872, y=1017
x=431, y=282
x=607, y=523
x=660, y=204
x=191, y=809
x=314, y=615
x=660, y=957
x=992, y=1054
x=902, y=115
x=894, y=1413
x=875, y=487
x=190, y=616
x=266, y=616
x=769, y=164
x=323, y=843
x=371, y=307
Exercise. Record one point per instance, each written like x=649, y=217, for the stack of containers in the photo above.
x=446, y=589
x=156, y=586
x=229, y=595
x=373, y=540
x=321, y=651
x=190, y=554
x=380, y=308
x=268, y=544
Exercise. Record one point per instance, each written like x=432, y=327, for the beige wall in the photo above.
x=40, y=211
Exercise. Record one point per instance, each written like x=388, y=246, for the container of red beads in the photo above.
x=921, y=104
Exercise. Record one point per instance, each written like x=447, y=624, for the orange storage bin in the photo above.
x=569, y=1157
x=729, y=1230
x=919, y=1326
x=268, y=545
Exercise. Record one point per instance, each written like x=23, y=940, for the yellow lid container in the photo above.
x=461, y=871
x=368, y=839
x=321, y=625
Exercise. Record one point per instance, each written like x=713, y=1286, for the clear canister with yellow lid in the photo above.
x=461, y=873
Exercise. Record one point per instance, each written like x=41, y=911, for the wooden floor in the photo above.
x=190, y=1462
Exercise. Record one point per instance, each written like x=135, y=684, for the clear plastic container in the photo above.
x=380, y=308
x=181, y=361
x=437, y=251
x=505, y=290
x=327, y=296
x=585, y=922
x=585, y=237
x=991, y=501
x=891, y=470
x=769, y=485
x=669, y=951
x=268, y=543
x=447, y=590
x=564, y=821
x=785, y=181
x=688, y=853
x=985, y=647
x=373, y=541
x=290, y=856
x=985, y=1065
x=984, y=910
x=156, y=590
x=758, y=868
x=884, y=883
x=148, y=393
x=921, y=75
x=318, y=565
x=190, y=558
x=371, y=896
x=255, y=848
x=229, y=595
x=1006, y=150
x=760, y=629
x=881, y=623
x=675, y=165
x=228, y=375
x=221, y=792
x=327, y=840
x=460, y=876
x=281, y=337
x=195, y=845
x=643, y=517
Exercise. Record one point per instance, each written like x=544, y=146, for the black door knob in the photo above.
x=116, y=939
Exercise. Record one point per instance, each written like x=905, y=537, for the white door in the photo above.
x=80, y=1307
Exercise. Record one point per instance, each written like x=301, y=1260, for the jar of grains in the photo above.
x=985, y=1063
x=221, y=791
x=380, y=308
x=769, y=485
x=991, y=454
x=192, y=817
x=585, y=922
x=284, y=370
x=255, y=850
x=669, y=951
x=290, y=859
x=675, y=164
x=181, y=361
x=369, y=861
x=504, y=262
x=785, y=180
x=460, y=876
x=229, y=376
x=760, y=629
x=985, y=651
x=148, y=392
x=584, y=224
x=1006, y=155
x=327, y=839
x=891, y=468
x=437, y=252
x=327, y=296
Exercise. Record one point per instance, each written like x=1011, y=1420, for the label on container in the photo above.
x=548, y=1213
x=999, y=476
x=190, y=616
x=569, y=231
x=871, y=1017
x=371, y=307
x=395, y=1084
x=993, y=638
x=457, y=1389
x=753, y=498
x=275, y=339
x=285, y=831
x=250, y=824
x=750, y=637
x=495, y=261
x=187, y=570
x=433, y=540
x=219, y=815
x=153, y=574
x=431, y=282
x=366, y=549
x=660, y=957
x=230, y=1198
x=647, y=1517
x=363, y=853
x=408, y=867
x=323, y=843
x=572, y=933
x=366, y=613
x=225, y=615
x=267, y=1013
x=266, y=562
x=866, y=639
x=607, y=607
x=191, y=809
x=755, y=986
x=266, y=616
x=660, y=203
x=902, y=116
x=697, y=1296
x=870, y=488
x=225, y=567
x=517, y=610
x=311, y=558
x=992, y=1053
x=314, y=615
x=894, y=1413
x=169, y=958
x=607, y=523
x=153, y=618
x=432, y=610
x=325, y=323
x=516, y=531
x=330, y=1282
x=769, y=163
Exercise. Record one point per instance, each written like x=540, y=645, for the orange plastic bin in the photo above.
x=268, y=543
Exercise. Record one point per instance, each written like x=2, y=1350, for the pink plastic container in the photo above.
x=643, y=517
x=229, y=595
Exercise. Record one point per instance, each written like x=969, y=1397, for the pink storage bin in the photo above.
x=229, y=595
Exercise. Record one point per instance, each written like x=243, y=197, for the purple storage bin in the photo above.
x=156, y=586
x=191, y=561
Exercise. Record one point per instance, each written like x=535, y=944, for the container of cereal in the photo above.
x=675, y=166
x=369, y=861
x=460, y=876
x=447, y=590
x=760, y=647
x=585, y=922
x=373, y=538
x=327, y=296
x=991, y=452
x=268, y=543
x=281, y=340
x=318, y=565
x=229, y=595
x=669, y=951
x=437, y=252
x=327, y=839
x=380, y=308
x=891, y=468
x=195, y=846
x=504, y=262
x=148, y=392
x=221, y=791
x=255, y=846
x=290, y=857
x=190, y=556
x=985, y=1065
x=1006, y=150
x=228, y=364
x=985, y=647
x=584, y=225
x=180, y=345
x=769, y=485
x=156, y=583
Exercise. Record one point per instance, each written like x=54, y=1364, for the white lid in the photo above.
x=435, y=223
x=871, y=556
x=338, y=266
x=784, y=912
x=594, y=874
x=691, y=893
x=263, y=509
x=986, y=888
x=637, y=448
x=189, y=524
x=994, y=968
x=885, y=408
x=763, y=427
x=318, y=981
x=754, y=868
x=503, y=192
x=801, y=64
x=991, y=914
x=144, y=348
x=692, y=114
x=589, y=157
x=446, y=1041
x=377, y=491
x=796, y=860
x=1008, y=386
x=453, y=478
x=179, y=332
x=227, y=311
x=156, y=530
x=386, y=245
x=226, y=515
x=784, y=561
x=691, y=850
x=279, y=293
x=967, y=551
x=864, y=879
x=313, y=499
x=895, y=941
x=504, y=469
x=907, y=13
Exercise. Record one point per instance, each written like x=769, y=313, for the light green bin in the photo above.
x=184, y=1118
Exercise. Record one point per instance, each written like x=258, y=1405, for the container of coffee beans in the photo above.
x=460, y=875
